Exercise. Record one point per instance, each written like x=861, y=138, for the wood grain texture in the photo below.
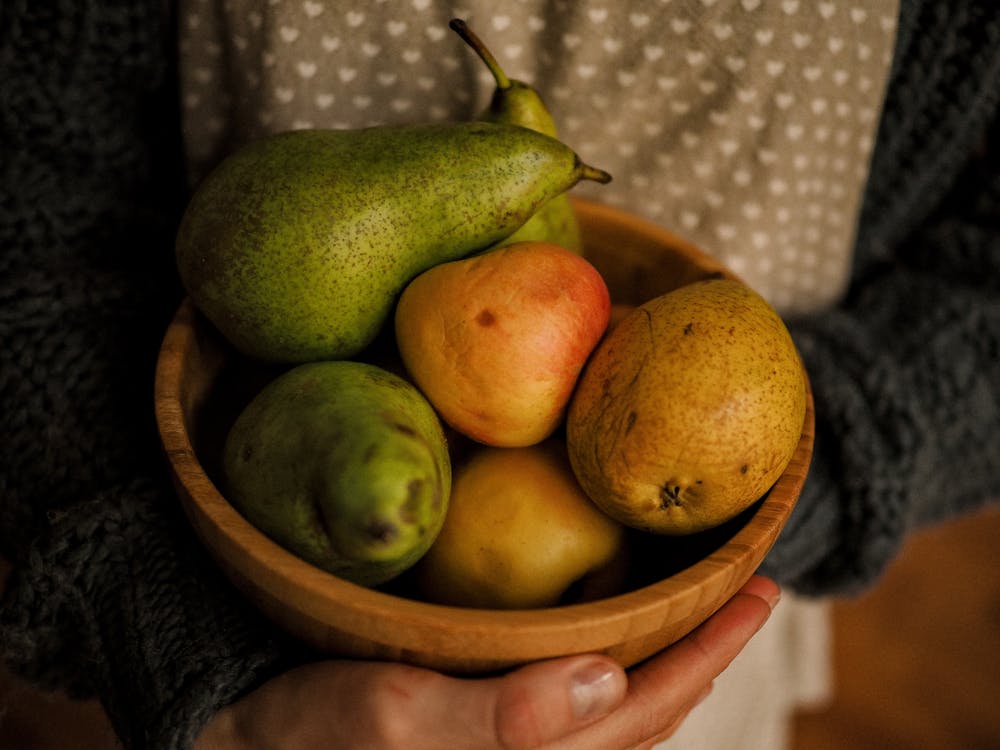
x=682, y=582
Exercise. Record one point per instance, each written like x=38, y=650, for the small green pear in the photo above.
x=296, y=245
x=344, y=464
x=517, y=103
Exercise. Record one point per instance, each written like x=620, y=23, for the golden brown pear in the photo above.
x=688, y=410
x=519, y=533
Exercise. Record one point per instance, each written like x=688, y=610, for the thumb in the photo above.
x=547, y=700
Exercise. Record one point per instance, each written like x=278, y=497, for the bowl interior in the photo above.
x=672, y=584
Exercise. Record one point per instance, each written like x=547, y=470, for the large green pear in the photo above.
x=344, y=464
x=297, y=244
x=518, y=103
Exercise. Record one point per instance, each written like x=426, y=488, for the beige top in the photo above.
x=744, y=125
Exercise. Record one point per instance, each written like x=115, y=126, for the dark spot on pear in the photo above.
x=486, y=318
x=409, y=509
x=405, y=429
x=381, y=532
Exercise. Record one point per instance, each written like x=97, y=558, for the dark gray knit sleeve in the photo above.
x=906, y=372
x=118, y=602
x=908, y=409
x=110, y=594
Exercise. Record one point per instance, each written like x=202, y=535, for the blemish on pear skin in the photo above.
x=409, y=512
x=404, y=429
x=689, y=329
x=381, y=532
x=486, y=318
x=630, y=421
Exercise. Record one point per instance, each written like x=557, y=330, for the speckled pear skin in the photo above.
x=515, y=102
x=555, y=221
x=296, y=245
x=344, y=464
x=689, y=409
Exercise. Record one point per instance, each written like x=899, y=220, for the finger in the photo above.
x=547, y=700
x=663, y=689
x=691, y=664
x=674, y=724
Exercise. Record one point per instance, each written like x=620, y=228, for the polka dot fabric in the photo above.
x=744, y=125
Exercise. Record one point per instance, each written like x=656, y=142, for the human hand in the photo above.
x=579, y=702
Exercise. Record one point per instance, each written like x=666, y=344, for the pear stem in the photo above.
x=588, y=172
x=462, y=29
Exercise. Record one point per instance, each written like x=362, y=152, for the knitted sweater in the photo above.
x=110, y=593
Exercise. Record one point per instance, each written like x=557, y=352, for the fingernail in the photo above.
x=772, y=600
x=763, y=588
x=594, y=690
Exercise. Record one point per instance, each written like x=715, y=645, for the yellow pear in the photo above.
x=519, y=533
x=689, y=409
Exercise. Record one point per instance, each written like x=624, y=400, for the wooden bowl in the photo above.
x=201, y=384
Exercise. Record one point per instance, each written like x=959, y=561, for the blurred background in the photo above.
x=917, y=660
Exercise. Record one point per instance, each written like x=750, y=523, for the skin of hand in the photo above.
x=572, y=703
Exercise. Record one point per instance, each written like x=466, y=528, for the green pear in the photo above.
x=296, y=245
x=345, y=465
x=516, y=103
